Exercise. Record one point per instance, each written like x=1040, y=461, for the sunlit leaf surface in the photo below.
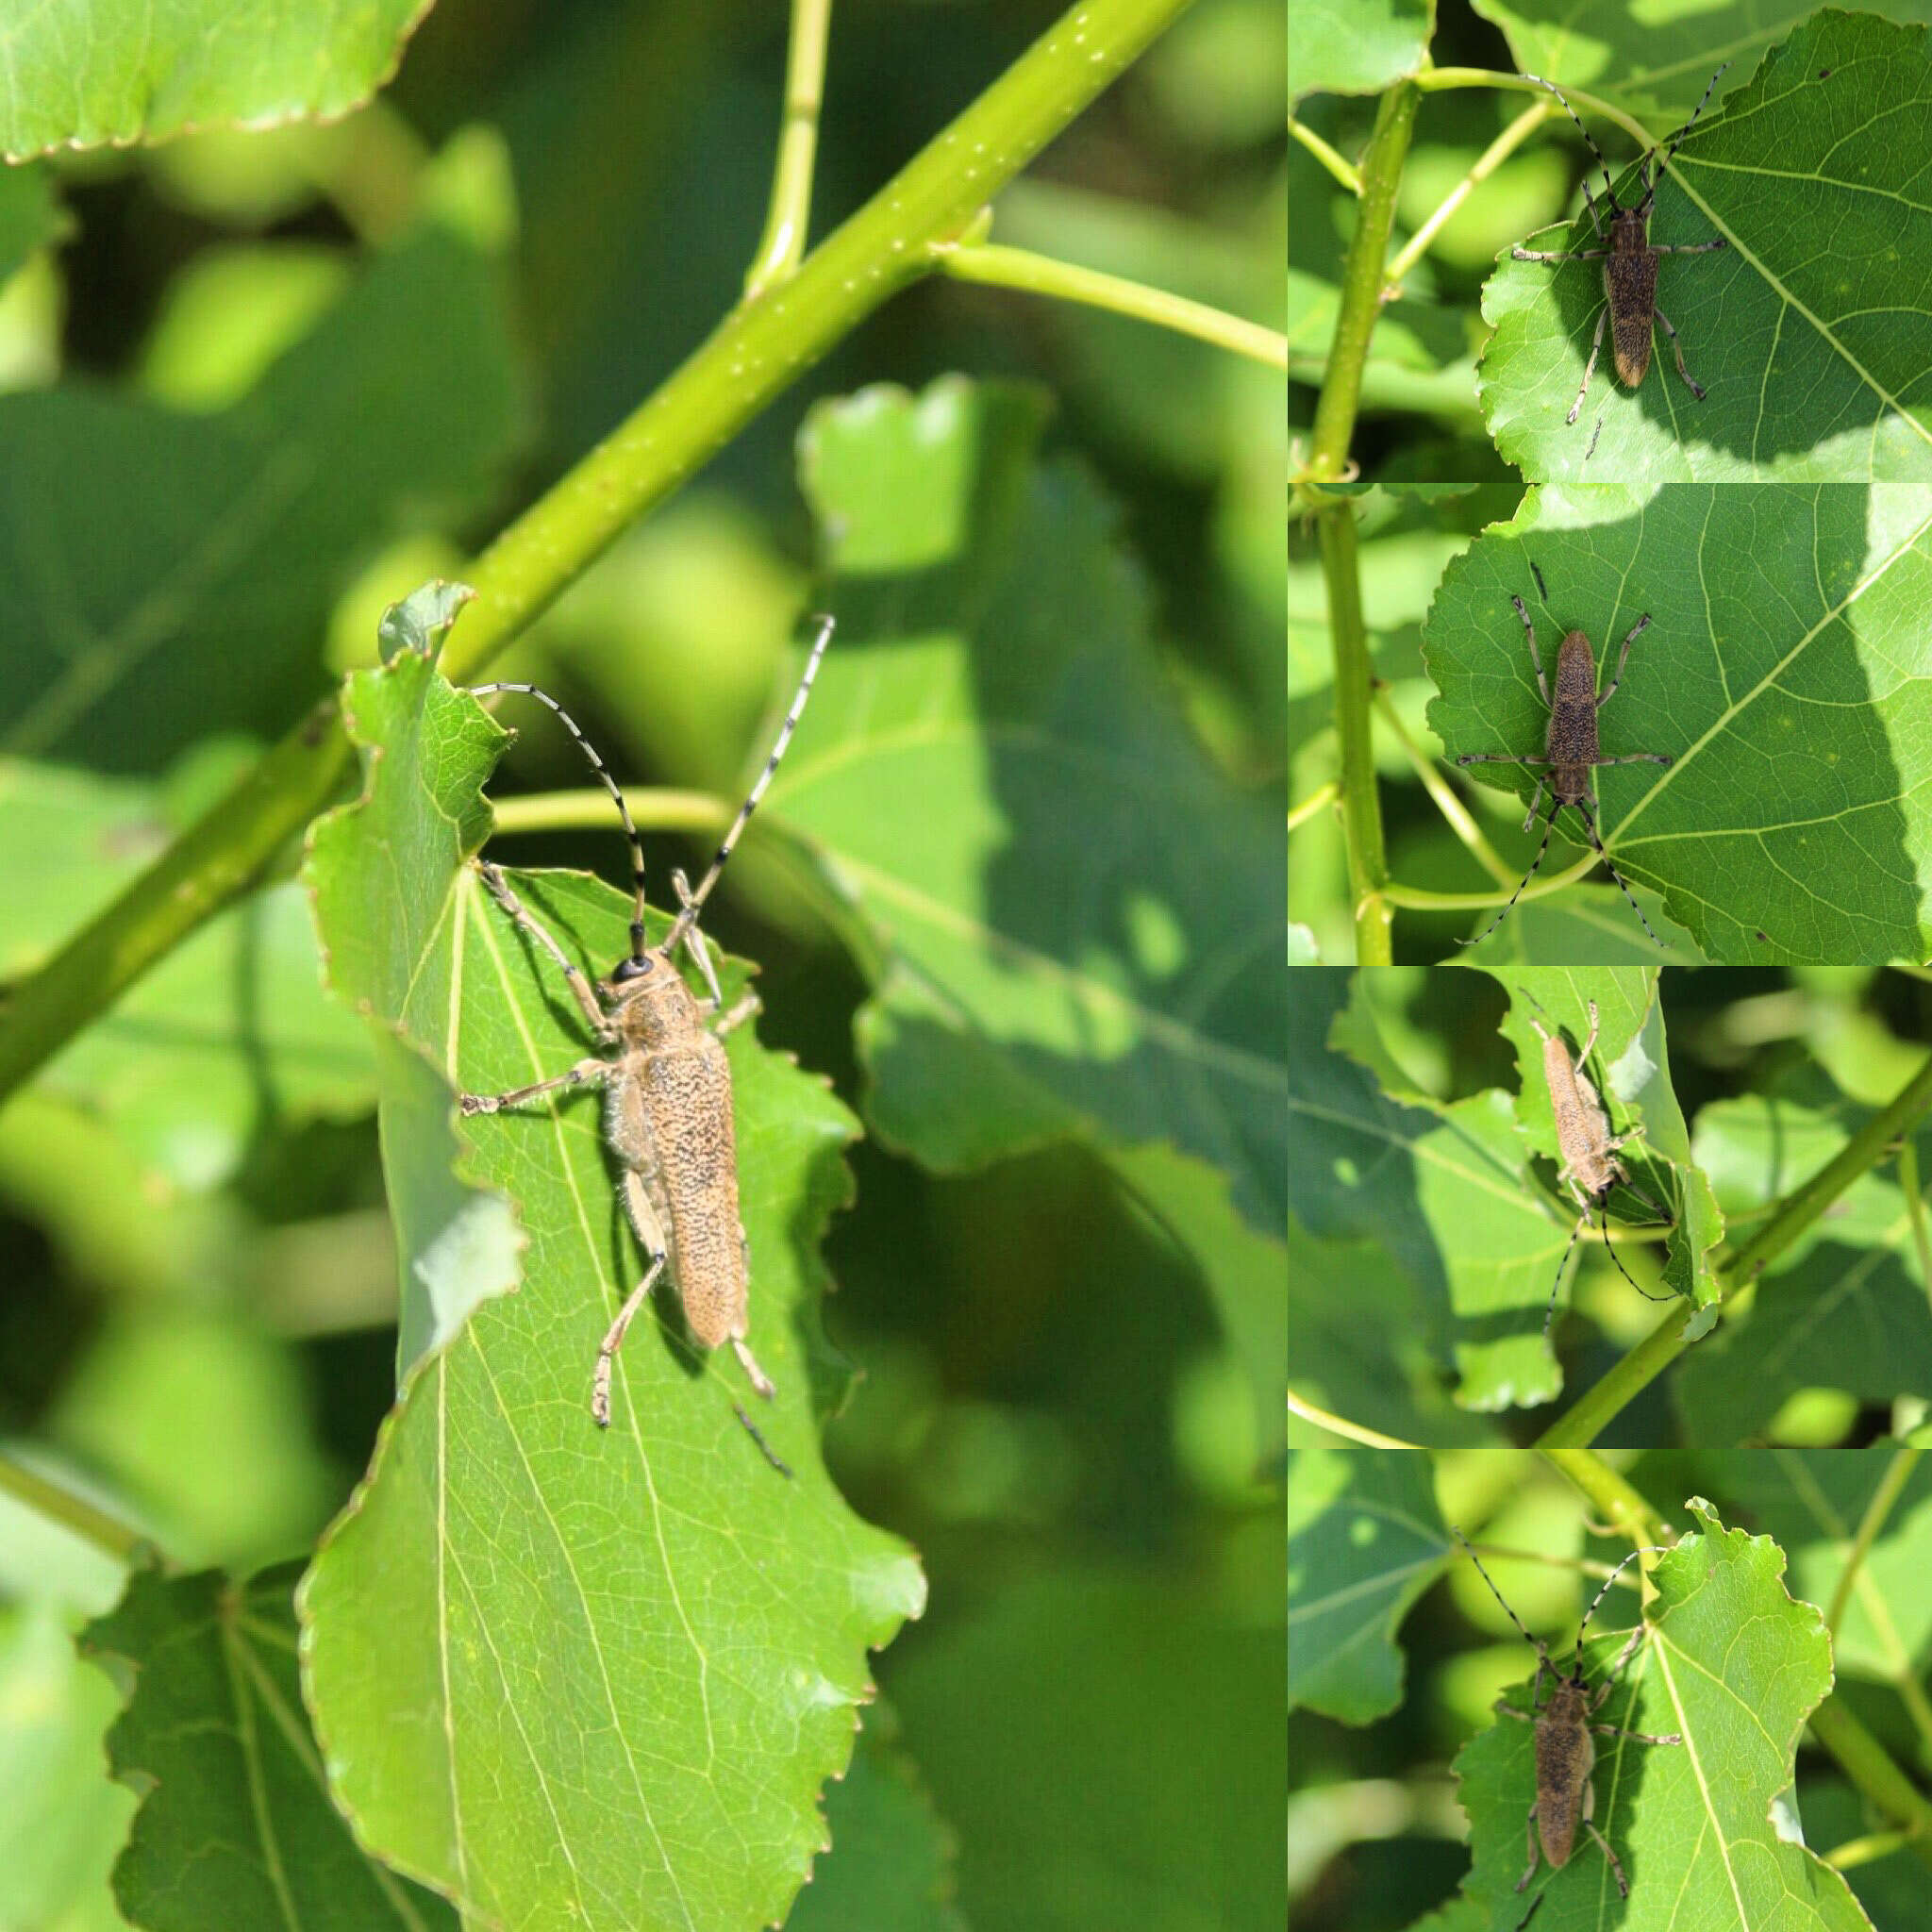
x=570, y=1676
x=1811, y=331
x=1786, y=672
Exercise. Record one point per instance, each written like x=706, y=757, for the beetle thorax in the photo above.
x=1630, y=229
x=655, y=1009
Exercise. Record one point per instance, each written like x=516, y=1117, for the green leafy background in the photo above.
x=1785, y=670
x=1733, y=1665
x=109, y=72
x=1430, y=1225
x=651, y=1610
x=1736, y=1660
x=1810, y=331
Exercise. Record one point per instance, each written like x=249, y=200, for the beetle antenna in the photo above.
x=693, y=904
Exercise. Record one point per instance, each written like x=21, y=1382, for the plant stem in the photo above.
x=1867, y=1763
x=1341, y=1426
x=1361, y=803
x=1915, y=1210
x=1421, y=899
x=1436, y=81
x=760, y=349
x=1336, y=164
x=1459, y=820
x=1492, y=157
x=1891, y=1487
x=782, y=245
x=1617, y=1502
x=1863, y=1151
x=106, y=1533
x=1317, y=802
x=1334, y=429
x=655, y=807
x=1041, y=274
x=1601, y=1402
x=1363, y=284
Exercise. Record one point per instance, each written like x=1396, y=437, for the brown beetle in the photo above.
x=1565, y=1738
x=1571, y=749
x=1629, y=262
x=668, y=1116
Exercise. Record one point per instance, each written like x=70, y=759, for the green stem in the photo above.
x=1363, y=284
x=1455, y=812
x=760, y=349
x=1317, y=802
x=655, y=807
x=1336, y=164
x=1616, y=1501
x=782, y=245
x=46, y=1498
x=1492, y=157
x=1041, y=274
x=1436, y=81
x=1334, y=429
x=1627, y=1379
x=1361, y=803
x=1915, y=1210
x=1891, y=1487
x=1863, y=1151
x=1868, y=1766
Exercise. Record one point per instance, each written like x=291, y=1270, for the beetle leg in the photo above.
x=598, y=1021
x=1616, y=1863
x=1596, y=343
x=1535, y=1850
x=1696, y=387
x=737, y=1016
x=643, y=1220
x=585, y=1074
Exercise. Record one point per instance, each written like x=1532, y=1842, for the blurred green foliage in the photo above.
x=271, y=383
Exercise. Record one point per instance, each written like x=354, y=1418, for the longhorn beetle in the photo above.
x=1570, y=746
x=668, y=1106
x=1629, y=261
x=1565, y=1738
x=1589, y=1150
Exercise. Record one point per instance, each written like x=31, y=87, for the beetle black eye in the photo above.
x=629, y=969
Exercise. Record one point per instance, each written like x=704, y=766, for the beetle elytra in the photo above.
x=1629, y=261
x=1566, y=1738
x=1570, y=748
x=668, y=1113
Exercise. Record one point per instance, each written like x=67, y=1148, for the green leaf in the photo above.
x=235, y=1826
x=230, y=1037
x=1732, y=1664
x=1809, y=330
x=1109, y=1748
x=1349, y=47
x=29, y=215
x=1814, y=1503
x=1364, y=1345
x=1630, y=1070
x=1585, y=920
x=1081, y=920
x=1365, y=1538
x=1446, y=1186
x=1846, y=1309
x=890, y=1865
x=233, y=533
x=1783, y=670
x=62, y=1822
x=107, y=73
x=520, y=1622
x=1241, y=1269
